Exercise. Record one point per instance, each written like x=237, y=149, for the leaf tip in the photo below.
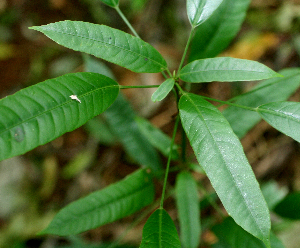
x=153, y=99
x=33, y=27
x=43, y=232
x=279, y=75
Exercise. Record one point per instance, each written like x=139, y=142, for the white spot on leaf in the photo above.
x=74, y=97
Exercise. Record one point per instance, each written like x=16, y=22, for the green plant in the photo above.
x=40, y=113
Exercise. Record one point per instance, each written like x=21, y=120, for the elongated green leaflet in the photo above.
x=200, y=10
x=284, y=116
x=104, y=206
x=121, y=118
x=157, y=138
x=221, y=155
x=111, y=3
x=225, y=69
x=188, y=210
x=160, y=231
x=271, y=90
x=219, y=29
x=163, y=90
x=38, y=114
x=231, y=235
x=107, y=43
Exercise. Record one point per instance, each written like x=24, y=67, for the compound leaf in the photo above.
x=40, y=113
x=271, y=90
x=163, y=90
x=107, y=43
x=221, y=155
x=160, y=231
x=111, y=3
x=219, y=29
x=104, y=206
x=284, y=116
x=225, y=69
x=200, y=10
x=188, y=210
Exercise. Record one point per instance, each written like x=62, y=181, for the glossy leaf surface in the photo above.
x=219, y=29
x=233, y=236
x=271, y=90
x=200, y=10
x=225, y=69
x=104, y=206
x=163, y=90
x=188, y=210
x=111, y=3
x=221, y=155
x=289, y=207
x=107, y=43
x=284, y=116
x=160, y=231
x=121, y=119
x=157, y=138
x=40, y=113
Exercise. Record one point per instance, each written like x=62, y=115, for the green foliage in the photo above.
x=214, y=35
x=188, y=210
x=200, y=10
x=225, y=70
x=38, y=114
x=284, y=116
x=271, y=90
x=107, y=205
x=107, y=43
x=163, y=90
x=233, y=236
x=111, y=3
x=160, y=231
x=157, y=138
x=289, y=207
x=43, y=112
x=221, y=155
x=121, y=118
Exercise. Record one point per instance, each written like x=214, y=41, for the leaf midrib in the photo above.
x=278, y=113
x=54, y=108
x=112, y=201
x=219, y=70
x=108, y=44
x=225, y=163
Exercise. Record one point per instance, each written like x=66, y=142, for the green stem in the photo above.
x=126, y=21
x=138, y=86
x=135, y=33
x=185, y=50
x=164, y=74
x=183, y=145
x=216, y=100
x=179, y=88
x=168, y=163
x=169, y=73
x=229, y=103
